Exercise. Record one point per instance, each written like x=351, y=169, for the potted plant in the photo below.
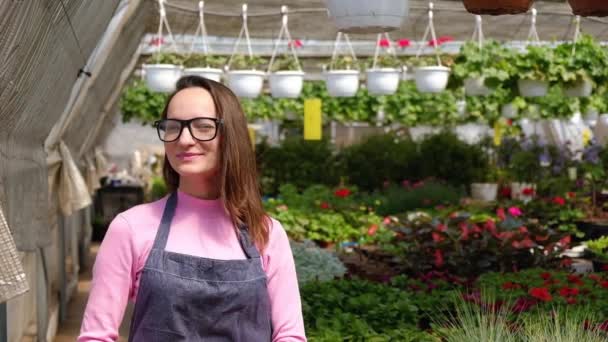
x=480, y=69
x=534, y=70
x=487, y=189
x=384, y=77
x=582, y=65
x=342, y=80
x=163, y=71
x=245, y=78
x=364, y=16
x=429, y=77
x=206, y=66
x=589, y=8
x=496, y=7
x=525, y=168
x=286, y=78
x=599, y=251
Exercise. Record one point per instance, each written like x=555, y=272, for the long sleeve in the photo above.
x=286, y=307
x=113, y=279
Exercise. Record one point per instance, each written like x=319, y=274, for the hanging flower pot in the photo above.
x=246, y=83
x=582, y=88
x=286, y=84
x=162, y=77
x=365, y=16
x=589, y=8
x=509, y=111
x=486, y=192
x=532, y=88
x=497, y=7
x=476, y=87
x=431, y=79
x=384, y=81
x=209, y=73
x=342, y=83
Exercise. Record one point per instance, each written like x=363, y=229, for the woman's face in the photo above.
x=190, y=157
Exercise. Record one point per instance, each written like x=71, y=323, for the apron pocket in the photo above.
x=148, y=334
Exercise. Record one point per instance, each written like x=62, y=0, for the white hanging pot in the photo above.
x=582, y=88
x=162, y=77
x=509, y=111
x=384, y=81
x=476, y=87
x=591, y=117
x=209, y=73
x=246, y=83
x=342, y=83
x=286, y=84
x=486, y=192
x=365, y=16
x=431, y=79
x=532, y=88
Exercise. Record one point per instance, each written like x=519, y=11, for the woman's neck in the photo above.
x=200, y=187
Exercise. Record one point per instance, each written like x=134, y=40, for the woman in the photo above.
x=205, y=263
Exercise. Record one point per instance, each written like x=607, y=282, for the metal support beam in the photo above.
x=42, y=303
x=3, y=323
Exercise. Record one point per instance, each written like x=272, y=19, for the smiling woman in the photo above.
x=205, y=262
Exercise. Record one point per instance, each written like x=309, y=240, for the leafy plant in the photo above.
x=400, y=199
x=384, y=61
x=314, y=263
x=490, y=62
x=137, y=101
x=344, y=63
x=204, y=61
x=246, y=62
x=538, y=63
x=165, y=58
x=285, y=63
x=599, y=248
x=584, y=60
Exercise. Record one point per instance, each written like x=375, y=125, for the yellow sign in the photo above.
x=498, y=133
x=252, y=135
x=312, y=119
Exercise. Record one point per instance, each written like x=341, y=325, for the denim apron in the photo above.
x=186, y=298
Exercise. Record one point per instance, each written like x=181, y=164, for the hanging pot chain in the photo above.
x=290, y=42
x=430, y=29
x=533, y=34
x=478, y=33
x=163, y=21
x=377, y=51
x=202, y=29
x=577, y=33
x=245, y=31
x=337, y=44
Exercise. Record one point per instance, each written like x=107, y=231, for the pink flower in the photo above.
x=156, y=41
x=515, y=211
x=324, y=205
x=403, y=43
x=384, y=43
x=372, y=229
x=559, y=201
x=440, y=40
x=296, y=43
x=437, y=237
x=438, y=258
x=500, y=212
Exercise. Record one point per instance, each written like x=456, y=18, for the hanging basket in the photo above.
x=589, y=8
x=582, y=88
x=162, y=77
x=286, y=84
x=365, y=16
x=498, y=7
x=431, y=79
x=476, y=87
x=509, y=111
x=246, y=83
x=485, y=192
x=209, y=73
x=342, y=83
x=533, y=88
x=384, y=81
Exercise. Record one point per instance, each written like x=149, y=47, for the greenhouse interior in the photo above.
x=404, y=170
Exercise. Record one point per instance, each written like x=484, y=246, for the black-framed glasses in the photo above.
x=201, y=128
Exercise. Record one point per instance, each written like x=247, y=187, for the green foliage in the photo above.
x=344, y=63
x=584, y=60
x=245, y=62
x=314, y=263
x=538, y=63
x=355, y=310
x=430, y=194
x=490, y=62
x=138, y=102
x=204, y=61
x=285, y=63
x=166, y=58
x=383, y=61
x=599, y=248
x=158, y=188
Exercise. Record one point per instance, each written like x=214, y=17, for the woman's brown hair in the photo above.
x=239, y=188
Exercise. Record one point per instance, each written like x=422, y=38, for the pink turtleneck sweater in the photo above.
x=201, y=228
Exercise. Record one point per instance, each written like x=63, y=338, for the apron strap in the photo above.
x=246, y=244
x=162, y=235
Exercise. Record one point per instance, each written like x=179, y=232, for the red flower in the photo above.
x=604, y=284
x=440, y=40
x=510, y=122
x=604, y=268
x=565, y=262
x=403, y=43
x=545, y=275
x=342, y=193
x=500, y=212
x=565, y=241
x=437, y=237
x=559, y=200
x=595, y=277
x=372, y=229
x=528, y=191
x=156, y=41
x=442, y=227
x=603, y=326
x=571, y=300
x=510, y=285
x=540, y=238
x=523, y=304
x=523, y=230
x=438, y=258
x=541, y=293
x=574, y=279
x=505, y=192
x=324, y=205
x=568, y=291
x=384, y=43
x=571, y=194
x=296, y=43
